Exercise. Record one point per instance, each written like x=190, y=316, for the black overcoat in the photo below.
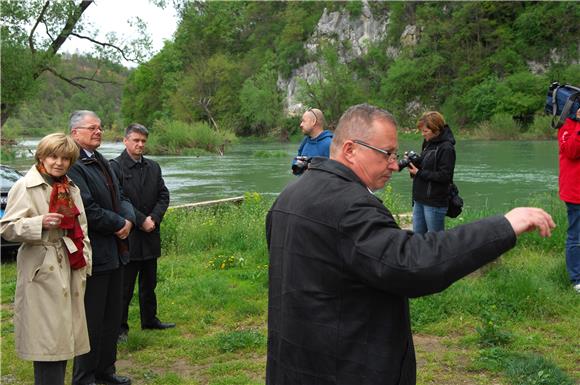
x=341, y=271
x=104, y=217
x=143, y=184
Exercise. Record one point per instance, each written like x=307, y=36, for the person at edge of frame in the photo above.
x=45, y=212
x=569, y=189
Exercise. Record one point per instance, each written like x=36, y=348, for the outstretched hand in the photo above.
x=524, y=219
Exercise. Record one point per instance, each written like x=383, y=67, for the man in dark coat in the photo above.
x=110, y=218
x=143, y=184
x=341, y=270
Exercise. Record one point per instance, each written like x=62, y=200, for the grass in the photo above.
x=513, y=322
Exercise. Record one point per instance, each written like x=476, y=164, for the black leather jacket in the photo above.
x=431, y=183
x=341, y=271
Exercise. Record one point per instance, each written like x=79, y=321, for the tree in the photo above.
x=26, y=54
x=209, y=90
x=260, y=100
x=335, y=88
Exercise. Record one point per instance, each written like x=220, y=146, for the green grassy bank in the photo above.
x=514, y=322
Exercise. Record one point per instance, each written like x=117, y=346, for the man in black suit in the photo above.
x=143, y=184
x=110, y=219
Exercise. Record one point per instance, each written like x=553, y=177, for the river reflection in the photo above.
x=490, y=174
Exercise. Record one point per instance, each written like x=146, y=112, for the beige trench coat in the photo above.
x=49, y=310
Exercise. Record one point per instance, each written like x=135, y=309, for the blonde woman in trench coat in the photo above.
x=52, y=263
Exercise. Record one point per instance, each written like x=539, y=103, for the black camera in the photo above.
x=301, y=164
x=410, y=157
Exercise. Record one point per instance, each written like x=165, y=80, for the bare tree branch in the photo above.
x=48, y=31
x=74, y=80
x=121, y=51
x=62, y=77
x=93, y=79
x=205, y=103
x=38, y=20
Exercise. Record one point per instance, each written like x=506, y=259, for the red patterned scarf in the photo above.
x=61, y=202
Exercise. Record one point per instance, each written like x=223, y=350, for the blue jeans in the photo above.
x=428, y=218
x=573, y=243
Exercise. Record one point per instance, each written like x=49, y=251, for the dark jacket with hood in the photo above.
x=143, y=184
x=431, y=183
x=340, y=274
x=106, y=211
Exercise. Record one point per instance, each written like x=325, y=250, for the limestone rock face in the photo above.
x=353, y=35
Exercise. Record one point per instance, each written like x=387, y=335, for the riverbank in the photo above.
x=512, y=323
x=178, y=138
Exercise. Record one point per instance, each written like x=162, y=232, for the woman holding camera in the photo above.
x=432, y=178
x=45, y=212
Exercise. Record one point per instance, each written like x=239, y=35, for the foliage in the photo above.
x=335, y=89
x=490, y=332
x=49, y=109
x=32, y=34
x=176, y=137
x=261, y=101
x=149, y=87
x=471, y=60
x=500, y=126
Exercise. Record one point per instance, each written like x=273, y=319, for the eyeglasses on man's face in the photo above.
x=91, y=128
x=390, y=156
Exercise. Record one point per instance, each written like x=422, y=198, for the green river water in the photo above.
x=490, y=174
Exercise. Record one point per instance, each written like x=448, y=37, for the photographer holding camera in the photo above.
x=432, y=173
x=569, y=145
x=315, y=143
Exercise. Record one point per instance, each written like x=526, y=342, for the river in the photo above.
x=490, y=174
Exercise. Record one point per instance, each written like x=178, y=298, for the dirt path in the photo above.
x=440, y=361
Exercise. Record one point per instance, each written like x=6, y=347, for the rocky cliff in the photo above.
x=353, y=35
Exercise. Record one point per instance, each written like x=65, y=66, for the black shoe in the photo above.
x=113, y=379
x=156, y=324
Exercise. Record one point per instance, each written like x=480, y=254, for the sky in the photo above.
x=112, y=16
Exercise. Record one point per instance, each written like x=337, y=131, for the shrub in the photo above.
x=541, y=128
x=500, y=126
x=177, y=137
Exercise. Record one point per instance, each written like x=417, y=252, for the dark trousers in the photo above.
x=49, y=372
x=147, y=272
x=103, y=304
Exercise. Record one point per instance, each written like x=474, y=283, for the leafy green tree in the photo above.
x=48, y=109
x=261, y=102
x=26, y=55
x=209, y=91
x=334, y=90
x=147, y=92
